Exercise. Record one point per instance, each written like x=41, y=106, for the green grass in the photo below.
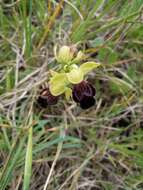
x=63, y=147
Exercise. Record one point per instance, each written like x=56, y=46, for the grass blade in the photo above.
x=28, y=162
x=12, y=159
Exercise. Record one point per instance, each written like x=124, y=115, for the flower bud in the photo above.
x=65, y=54
x=74, y=66
x=80, y=56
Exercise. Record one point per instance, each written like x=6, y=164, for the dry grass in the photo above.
x=69, y=148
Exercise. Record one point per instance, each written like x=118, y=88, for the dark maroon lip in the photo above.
x=87, y=102
x=83, y=93
x=47, y=99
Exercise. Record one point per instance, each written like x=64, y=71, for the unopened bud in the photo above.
x=65, y=54
x=80, y=56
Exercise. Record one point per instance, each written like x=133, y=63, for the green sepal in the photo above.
x=68, y=93
x=58, y=83
x=88, y=66
x=75, y=76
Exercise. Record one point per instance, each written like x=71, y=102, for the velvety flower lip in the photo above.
x=84, y=93
x=87, y=102
x=46, y=98
x=90, y=90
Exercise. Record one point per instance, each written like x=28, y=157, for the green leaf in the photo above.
x=57, y=84
x=120, y=86
x=108, y=54
x=99, y=41
x=88, y=66
x=75, y=76
x=11, y=161
x=28, y=162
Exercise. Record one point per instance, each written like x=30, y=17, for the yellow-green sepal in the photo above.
x=80, y=56
x=88, y=66
x=75, y=76
x=58, y=83
x=68, y=93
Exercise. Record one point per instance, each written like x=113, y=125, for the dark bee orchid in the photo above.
x=69, y=80
x=46, y=98
x=83, y=93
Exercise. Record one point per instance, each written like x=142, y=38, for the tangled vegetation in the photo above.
x=49, y=142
